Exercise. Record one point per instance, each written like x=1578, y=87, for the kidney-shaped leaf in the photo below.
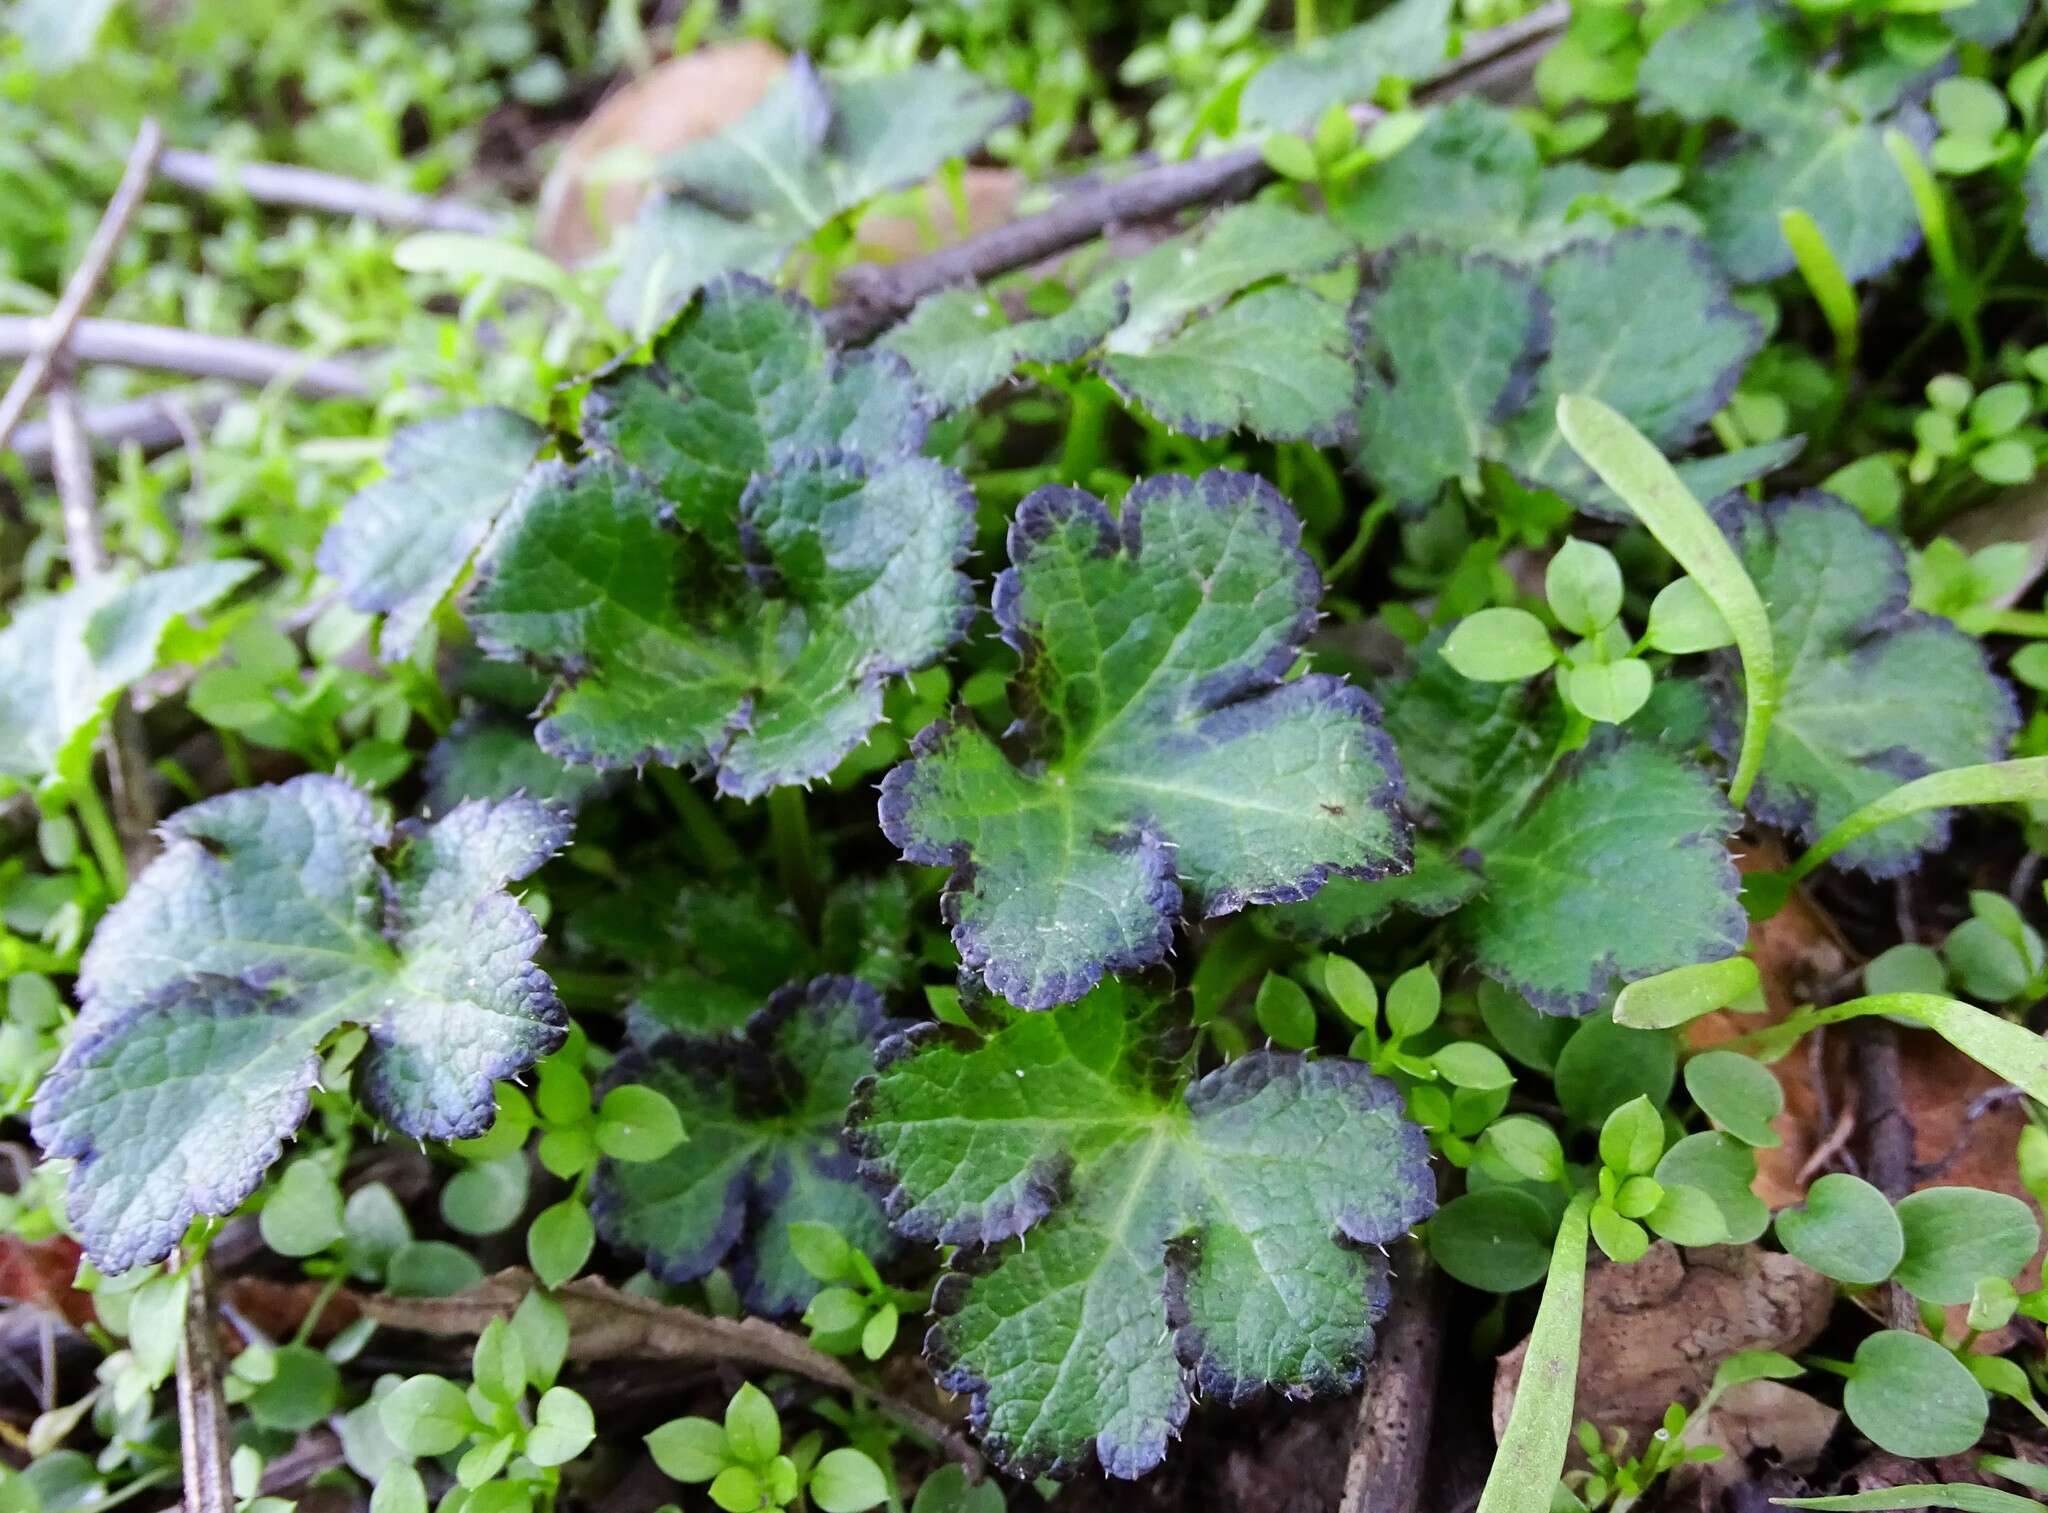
x=1145, y=1241
x=275, y=917
x=1874, y=693
x=755, y=549
x=64, y=660
x=764, y=1151
x=1162, y=758
x=401, y=544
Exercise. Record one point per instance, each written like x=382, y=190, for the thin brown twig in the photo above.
x=872, y=297
x=1390, y=1437
x=1887, y=1133
x=203, y=1433
x=309, y=189
x=170, y=349
x=84, y=282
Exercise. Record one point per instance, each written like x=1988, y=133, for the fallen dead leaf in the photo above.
x=1656, y=1331
x=1786, y=1426
x=41, y=1272
x=673, y=104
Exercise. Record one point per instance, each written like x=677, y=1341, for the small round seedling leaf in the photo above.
x=1738, y=1093
x=846, y=1481
x=1907, y=968
x=1609, y=692
x=1606, y=1064
x=1525, y=1146
x=689, y=1449
x=1632, y=1138
x=1687, y=1216
x=1723, y=1168
x=1502, y=645
x=1847, y=1230
x=1496, y=1239
x=559, y=1241
x=636, y=1123
x=303, y=1216
x=1468, y=1064
x=1957, y=1236
x=1683, y=619
x=562, y=1428
x=486, y=1197
x=426, y=1415
x=1583, y=585
x=1351, y=990
x=753, y=1431
x=1413, y=1001
x=1284, y=1012
x=1913, y=1398
x=1623, y=1240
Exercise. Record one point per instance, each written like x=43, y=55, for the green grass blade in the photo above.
x=1531, y=1455
x=1683, y=994
x=1965, y=1498
x=1829, y=286
x=1649, y=485
x=2015, y=782
x=2012, y=1051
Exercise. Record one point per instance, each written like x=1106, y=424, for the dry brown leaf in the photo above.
x=1655, y=1331
x=41, y=1272
x=1765, y=1418
x=671, y=105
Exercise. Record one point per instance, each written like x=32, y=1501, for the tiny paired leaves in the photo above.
x=1141, y=1242
x=1872, y=694
x=66, y=658
x=1165, y=765
x=763, y=1112
x=755, y=548
x=814, y=148
x=402, y=544
x=274, y=918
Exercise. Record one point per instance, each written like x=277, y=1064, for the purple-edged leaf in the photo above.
x=1559, y=883
x=274, y=918
x=1643, y=321
x=1619, y=870
x=1165, y=766
x=401, y=544
x=754, y=549
x=764, y=1113
x=1143, y=1241
x=1874, y=693
x=1148, y=1239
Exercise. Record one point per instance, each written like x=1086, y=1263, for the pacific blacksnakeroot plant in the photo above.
x=744, y=552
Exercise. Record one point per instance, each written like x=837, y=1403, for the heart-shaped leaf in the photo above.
x=1164, y=757
x=275, y=917
x=1149, y=1240
x=763, y=1113
x=755, y=548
